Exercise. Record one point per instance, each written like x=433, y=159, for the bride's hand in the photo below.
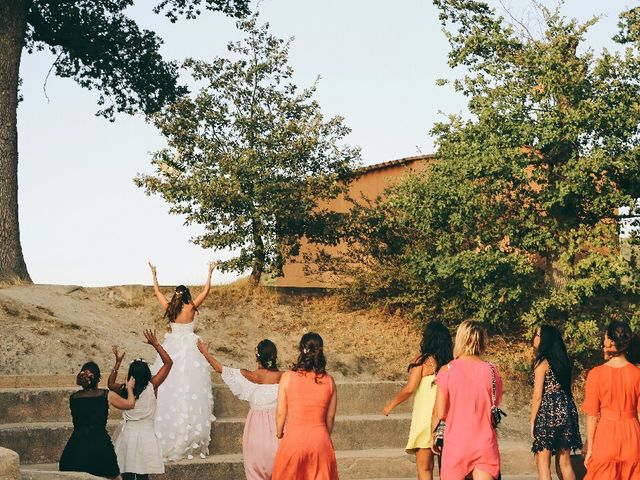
x=153, y=269
x=212, y=266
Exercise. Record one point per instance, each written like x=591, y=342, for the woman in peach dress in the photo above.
x=612, y=402
x=307, y=400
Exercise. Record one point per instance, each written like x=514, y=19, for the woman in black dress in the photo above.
x=554, y=417
x=90, y=449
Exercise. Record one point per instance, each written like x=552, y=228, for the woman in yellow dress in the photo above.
x=435, y=351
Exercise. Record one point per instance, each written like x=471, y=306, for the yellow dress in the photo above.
x=424, y=399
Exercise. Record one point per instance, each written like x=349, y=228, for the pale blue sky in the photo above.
x=84, y=222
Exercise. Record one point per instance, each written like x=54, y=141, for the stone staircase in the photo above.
x=35, y=422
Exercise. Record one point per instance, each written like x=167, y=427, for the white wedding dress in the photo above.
x=184, y=409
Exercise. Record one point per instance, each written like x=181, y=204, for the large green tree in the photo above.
x=96, y=44
x=518, y=219
x=251, y=156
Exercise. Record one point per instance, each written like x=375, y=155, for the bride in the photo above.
x=185, y=401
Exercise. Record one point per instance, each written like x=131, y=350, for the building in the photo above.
x=368, y=183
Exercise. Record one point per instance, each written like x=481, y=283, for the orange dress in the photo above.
x=613, y=395
x=306, y=451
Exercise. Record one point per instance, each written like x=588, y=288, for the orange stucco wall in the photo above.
x=369, y=184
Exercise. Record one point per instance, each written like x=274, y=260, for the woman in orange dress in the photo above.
x=612, y=402
x=307, y=400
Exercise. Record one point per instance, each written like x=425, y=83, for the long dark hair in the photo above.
x=267, y=354
x=311, y=357
x=89, y=375
x=436, y=342
x=138, y=369
x=182, y=296
x=553, y=350
x=626, y=342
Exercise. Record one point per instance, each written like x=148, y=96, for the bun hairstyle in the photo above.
x=267, y=354
x=436, y=343
x=89, y=376
x=471, y=339
x=181, y=296
x=138, y=369
x=311, y=357
x=625, y=341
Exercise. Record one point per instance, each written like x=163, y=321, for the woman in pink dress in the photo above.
x=464, y=403
x=260, y=388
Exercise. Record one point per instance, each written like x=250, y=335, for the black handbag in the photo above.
x=438, y=434
x=496, y=412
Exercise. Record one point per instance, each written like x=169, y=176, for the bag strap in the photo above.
x=493, y=384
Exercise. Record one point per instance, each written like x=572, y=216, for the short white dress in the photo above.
x=185, y=399
x=259, y=442
x=136, y=445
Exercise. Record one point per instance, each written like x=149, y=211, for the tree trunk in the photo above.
x=258, y=255
x=12, y=32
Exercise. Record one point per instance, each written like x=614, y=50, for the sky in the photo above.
x=84, y=222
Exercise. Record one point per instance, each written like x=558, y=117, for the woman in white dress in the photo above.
x=185, y=401
x=260, y=389
x=136, y=445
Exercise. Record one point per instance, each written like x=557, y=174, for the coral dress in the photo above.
x=613, y=394
x=184, y=409
x=306, y=451
x=470, y=441
x=259, y=442
x=137, y=446
x=420, y=434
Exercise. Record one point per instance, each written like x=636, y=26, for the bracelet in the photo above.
x=114, y=370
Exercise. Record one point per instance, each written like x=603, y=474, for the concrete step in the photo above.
x=44, y=442
x=51, y=404
x=370, y=464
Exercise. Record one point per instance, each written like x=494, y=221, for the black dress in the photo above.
x=556, y=425
x=90, y=449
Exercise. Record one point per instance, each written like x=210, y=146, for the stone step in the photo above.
x=44, y=442
x=368, y=464
x=34, y=405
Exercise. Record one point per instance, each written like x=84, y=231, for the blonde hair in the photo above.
x=471, y=339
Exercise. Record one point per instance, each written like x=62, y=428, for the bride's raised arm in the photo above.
x=156, y=288
x=207, y=287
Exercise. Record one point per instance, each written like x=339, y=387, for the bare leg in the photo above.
x=424, y=463
x=564, y=463
x=543, y=462
x=481, y=475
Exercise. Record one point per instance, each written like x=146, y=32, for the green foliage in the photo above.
x=250, y=155
x=101, y=48
x=517, y=221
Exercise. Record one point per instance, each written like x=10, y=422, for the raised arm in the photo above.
x=156, y=288
x=204, y=350
x=415, y=375
x=167, y=363
x=331, y=411
x=281, y=408
x=113, y=385
x=207, y=287
x=124, y=403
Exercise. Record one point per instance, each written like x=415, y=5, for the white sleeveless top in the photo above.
x=259, y=396
x=145, y=407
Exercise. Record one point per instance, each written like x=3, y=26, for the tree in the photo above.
x=250, y=156
x=518, y=219
x=97, y=45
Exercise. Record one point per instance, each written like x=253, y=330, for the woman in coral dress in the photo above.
x=464, y=403
x=307, y=400
x=611, y=403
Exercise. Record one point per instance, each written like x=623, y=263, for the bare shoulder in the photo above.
x=249, y=375
x=542, y=367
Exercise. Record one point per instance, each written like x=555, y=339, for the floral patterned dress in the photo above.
x=556, y=425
